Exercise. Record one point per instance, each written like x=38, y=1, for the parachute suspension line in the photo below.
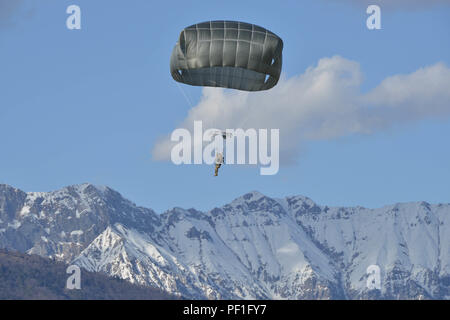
x=182, y=90
x=184, y=95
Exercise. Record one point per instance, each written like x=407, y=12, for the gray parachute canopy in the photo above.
x=227, y=54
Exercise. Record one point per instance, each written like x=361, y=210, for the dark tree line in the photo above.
x=32, y=277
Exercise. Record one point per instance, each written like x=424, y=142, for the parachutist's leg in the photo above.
x=216, y=173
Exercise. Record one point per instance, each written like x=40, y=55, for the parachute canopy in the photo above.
x=227, y=54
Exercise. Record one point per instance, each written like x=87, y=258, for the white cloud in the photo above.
x=325, y=102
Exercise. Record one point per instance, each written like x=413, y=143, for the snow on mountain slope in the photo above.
x=254, y=247
x=409, y=241
x=277, y=253
x=62, y=223
x=131, y=255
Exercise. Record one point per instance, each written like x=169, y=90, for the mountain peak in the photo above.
x=87, y=187
x=249, y=197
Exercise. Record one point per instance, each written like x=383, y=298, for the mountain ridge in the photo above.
x=255, y=247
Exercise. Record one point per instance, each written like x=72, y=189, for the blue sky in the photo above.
x=89, y=105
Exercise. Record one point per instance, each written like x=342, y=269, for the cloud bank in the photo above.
x=325, y=102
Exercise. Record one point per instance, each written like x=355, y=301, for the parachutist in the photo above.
x=227, y=54
x=219, y=162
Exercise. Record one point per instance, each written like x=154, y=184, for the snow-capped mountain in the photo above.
x=254, y=247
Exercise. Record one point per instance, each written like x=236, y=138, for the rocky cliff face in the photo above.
x=255, y=247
